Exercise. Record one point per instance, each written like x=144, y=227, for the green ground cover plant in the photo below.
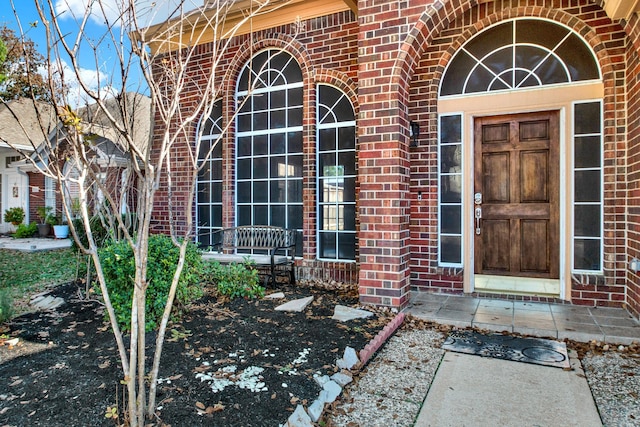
x=119, y=270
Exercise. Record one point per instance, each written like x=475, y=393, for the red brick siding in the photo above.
x=632, y=85
x=608, y=40
x=326, y=49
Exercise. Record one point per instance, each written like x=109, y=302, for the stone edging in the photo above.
x=332, y=386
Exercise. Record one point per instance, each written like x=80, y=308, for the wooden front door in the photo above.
x=517, y=175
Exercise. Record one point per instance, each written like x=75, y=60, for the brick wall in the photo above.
x=326, y=49
x=396, y=54
x=632, y=85
x=463, y=21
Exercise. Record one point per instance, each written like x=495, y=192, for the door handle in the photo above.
x=478, y=216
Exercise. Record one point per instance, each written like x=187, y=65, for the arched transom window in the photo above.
x=518, y=54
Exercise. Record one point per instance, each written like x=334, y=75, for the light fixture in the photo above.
x=414, y=133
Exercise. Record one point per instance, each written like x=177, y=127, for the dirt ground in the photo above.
x=227, y=363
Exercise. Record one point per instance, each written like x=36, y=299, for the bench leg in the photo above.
x=292, y=275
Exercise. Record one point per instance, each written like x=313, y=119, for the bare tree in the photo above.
x=159, y=61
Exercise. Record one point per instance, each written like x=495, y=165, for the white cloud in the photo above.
x=95, y=80
x=148, y=11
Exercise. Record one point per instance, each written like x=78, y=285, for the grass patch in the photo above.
x=25, y=273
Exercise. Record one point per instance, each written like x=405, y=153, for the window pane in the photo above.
x=295, y=142
x=261, y=191
x=260, y=214
x=204, y=193
x=327, y=139
x=586, y=254
x=450, y=249
x=244, y=215
x=587, y=118
x=347, y=162
x=451, y=219
x=278, y=98
x=346, y=246
x=450, y=189
x=294, y=191
x=328, y=245
x=244, y=169
x=295, y=117
x=327, y=160
x=347, y=138
x=295, y=96
x=588, y=152
x=260, y=167
x=260, y=121
x=294, y=216
x=260, y=145
x=244, y=192
x=216, y=192
x=278, y=119
x=295, y=166
x=587, y=221
x=349, y=194
x=278, y=145
x=278, y=216
x=450, y=129
x=349, y=217
x=244, y=146
x=216, y=170
x=588, y=186
x=278, y=194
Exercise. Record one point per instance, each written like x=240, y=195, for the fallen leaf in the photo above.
x=15, y=383
x=200, y=405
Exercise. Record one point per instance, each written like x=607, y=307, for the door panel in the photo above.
x=517, y=172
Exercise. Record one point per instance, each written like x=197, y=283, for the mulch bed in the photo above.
x=65, y=370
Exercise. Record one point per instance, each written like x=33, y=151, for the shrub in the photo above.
x=25, y=230
x=14, y=215
x=6, y=306
x=234, y=280
x=119, y=270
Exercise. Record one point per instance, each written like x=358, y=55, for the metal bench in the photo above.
x=266, y=246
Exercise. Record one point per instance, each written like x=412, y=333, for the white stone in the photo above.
x=315, y=410
x=275, y=295
x=299, y=418
x=321, y=380
x=330, y=391
x=342, y=379
x=349, y=360
x=343, y=313
x=296, y=305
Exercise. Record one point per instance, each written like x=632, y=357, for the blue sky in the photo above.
x=98, y=71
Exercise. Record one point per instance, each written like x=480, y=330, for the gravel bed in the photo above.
x=614, y=379
x=390, y=391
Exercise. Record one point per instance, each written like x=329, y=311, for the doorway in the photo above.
x=516, y=207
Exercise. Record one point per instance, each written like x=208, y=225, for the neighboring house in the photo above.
x=37, y=190
x=20, y=129
x=451, y=146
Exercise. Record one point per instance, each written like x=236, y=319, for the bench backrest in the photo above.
x=257, y=237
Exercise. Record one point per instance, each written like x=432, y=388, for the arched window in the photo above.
x=518, y=54
x=209, y=188
x=269, y=142
x=336, y=128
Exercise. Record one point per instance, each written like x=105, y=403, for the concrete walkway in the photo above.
x=475, y=391
x=611, y=325
x=34, y=244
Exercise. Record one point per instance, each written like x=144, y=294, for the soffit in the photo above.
x=621, y=9
x=197, y=28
